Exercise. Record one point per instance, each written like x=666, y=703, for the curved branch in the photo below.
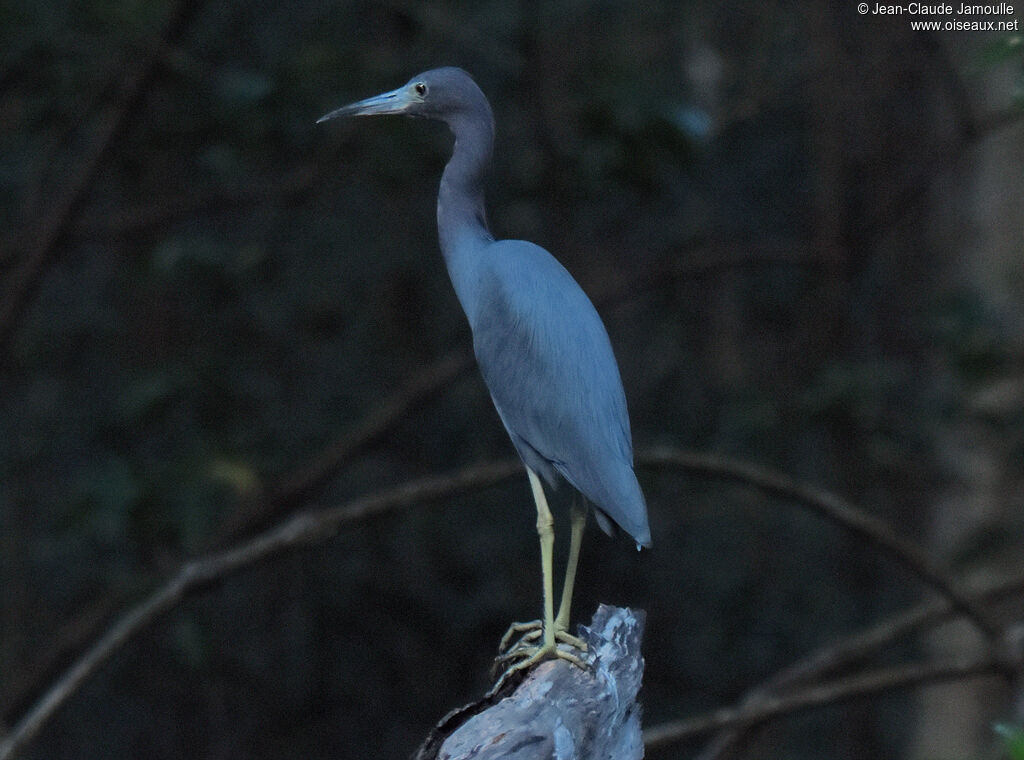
x=42, y=243
x=163, y=211
x=292, y=489
x=300, y=530
x=315, y=526
x=857, y=648
x=23, y=682
x=386, y=415
x=839, y=511
x=841, y=690
x=286, y=495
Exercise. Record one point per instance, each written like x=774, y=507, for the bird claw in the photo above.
x=526, y=650
x=529, y=634
x=533, y=655
x=525, y=631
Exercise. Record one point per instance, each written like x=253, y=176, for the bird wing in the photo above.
x=547, y=361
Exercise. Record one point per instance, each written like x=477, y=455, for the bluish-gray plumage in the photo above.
x=547, y=361
x=540, y=344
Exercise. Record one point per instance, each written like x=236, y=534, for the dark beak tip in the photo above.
x=331, y=115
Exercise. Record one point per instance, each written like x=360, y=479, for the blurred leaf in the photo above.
x=968, y=328
x=223, y=161
x=193, y=500
x=190, y=642
x=107, y=494
x=179, y=254
x=1003, y=49
x=241, y=477
x=136, y=17
x=1013, y=739
x=144, y=397
x=693, y=122
x=237, y=87
x=849, y=389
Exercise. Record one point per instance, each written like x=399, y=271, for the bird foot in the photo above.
x=516, y=655
x=529, y=634
x=529, y=656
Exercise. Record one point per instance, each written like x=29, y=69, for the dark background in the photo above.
x=802, y=227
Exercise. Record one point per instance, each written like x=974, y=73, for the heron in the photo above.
x=542, y=349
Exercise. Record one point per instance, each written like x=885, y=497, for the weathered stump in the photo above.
x=558, y=710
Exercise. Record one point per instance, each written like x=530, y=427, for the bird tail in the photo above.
x=618, y=502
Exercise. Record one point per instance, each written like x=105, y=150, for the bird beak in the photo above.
x=396, y=101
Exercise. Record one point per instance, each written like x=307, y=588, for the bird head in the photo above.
x=442, y=94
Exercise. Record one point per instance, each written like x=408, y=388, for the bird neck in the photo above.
x=461, y=217
x=460, y=200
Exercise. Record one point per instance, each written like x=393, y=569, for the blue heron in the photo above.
x=541, y=347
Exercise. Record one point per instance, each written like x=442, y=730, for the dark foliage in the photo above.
x=202, y=290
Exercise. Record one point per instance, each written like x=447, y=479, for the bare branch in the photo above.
x=856, y=648
x=41, y=244
x=129, y=221
x=303, y=529
x=377, y=423
x=292, y=489
x=839, y=511
x=316, y=526
x=862, y=645
x=22, y=683
x=842, y=690
x=287, y=495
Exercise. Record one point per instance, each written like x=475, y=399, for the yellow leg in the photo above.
x=578, y=518
x=546, y=531
x=549, y=632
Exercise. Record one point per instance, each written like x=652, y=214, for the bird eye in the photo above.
x=421, y=89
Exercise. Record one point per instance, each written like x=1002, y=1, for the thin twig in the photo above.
x=315, y=526
x=306, y=528
x=288, y=494
x=387, y=414
x=856, y=648
x=141, y=218
x=43, y=240
x=42, y=243
x=294, y=488
x=841, y=690
x=839, y=511
x=22, y=683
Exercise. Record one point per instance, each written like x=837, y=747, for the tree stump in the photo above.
x=558, y=710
